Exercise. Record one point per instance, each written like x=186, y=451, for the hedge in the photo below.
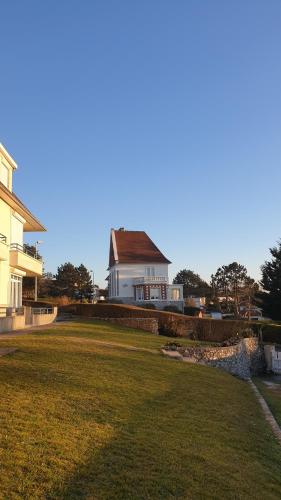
x=173, y=324
x=38, y=303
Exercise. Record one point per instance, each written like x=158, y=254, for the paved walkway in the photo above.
x=267, y=412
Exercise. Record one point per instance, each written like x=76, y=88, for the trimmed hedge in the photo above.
x=32, y=303
x=271, y=333
x=172, y=324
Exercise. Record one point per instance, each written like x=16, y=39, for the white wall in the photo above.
x=127, y=273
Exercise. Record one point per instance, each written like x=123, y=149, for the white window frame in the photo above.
x=150, y=271
x=15, y=290
x=151, y=295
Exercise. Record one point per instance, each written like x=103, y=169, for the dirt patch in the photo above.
x=8, y=350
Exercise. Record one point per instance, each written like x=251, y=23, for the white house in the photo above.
x=138, y=271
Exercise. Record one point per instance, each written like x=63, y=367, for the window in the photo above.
x=139, y=294
x=155, y=294
x=4, y=174
x=175, y=294
x=150, y=271
x=15, y=291
x=117, y=283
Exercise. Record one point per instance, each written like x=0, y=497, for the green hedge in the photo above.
x=271, y=333
x=38, y=303
x=172, y=324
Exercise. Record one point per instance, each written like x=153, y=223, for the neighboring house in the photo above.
x=138, y=271
x=195, y=301
x=15, y=219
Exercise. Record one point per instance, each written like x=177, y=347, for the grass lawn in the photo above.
x=80, y=419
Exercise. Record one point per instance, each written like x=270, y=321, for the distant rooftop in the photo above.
x=133, y=247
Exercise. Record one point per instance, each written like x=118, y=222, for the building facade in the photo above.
x=15, y=219
x=138, y=271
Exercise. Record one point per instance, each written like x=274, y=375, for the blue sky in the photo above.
x=157, y=115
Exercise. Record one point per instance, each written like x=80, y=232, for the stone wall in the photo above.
x=243, y=359
x=146, y=324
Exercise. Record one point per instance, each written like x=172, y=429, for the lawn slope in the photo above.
x=84, y=420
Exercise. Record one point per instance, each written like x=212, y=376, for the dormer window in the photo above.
x=4, y=175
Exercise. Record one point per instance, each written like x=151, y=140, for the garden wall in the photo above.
x=244, y=359
x=171, y=324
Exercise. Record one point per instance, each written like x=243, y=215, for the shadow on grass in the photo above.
x=164, y=451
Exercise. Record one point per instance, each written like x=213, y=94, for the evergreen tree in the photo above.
x=271, y=282
x=233, y=283
x=192, y=283
x=67, y=280
x=84, y=282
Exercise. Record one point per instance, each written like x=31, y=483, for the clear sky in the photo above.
x=154, y=115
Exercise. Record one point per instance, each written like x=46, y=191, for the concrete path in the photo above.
x=267, y=412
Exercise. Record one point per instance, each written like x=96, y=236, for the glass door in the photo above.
x=16, y=291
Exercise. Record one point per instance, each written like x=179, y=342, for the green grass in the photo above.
x=272, y=395
x=84, y=420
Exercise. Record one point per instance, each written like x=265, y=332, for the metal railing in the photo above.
x=6, y=311
x=3, y=238
x=21, y=248
x=151, y=279
x=42, y=310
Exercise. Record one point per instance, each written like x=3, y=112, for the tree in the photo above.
x=271, y=283
x=84, y=282
x=233, y=284
x=192, y=283
x=66, y=280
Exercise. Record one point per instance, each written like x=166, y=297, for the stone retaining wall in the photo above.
x=146, y=324
x=243, y=360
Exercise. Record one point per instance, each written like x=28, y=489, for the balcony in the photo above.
x=25, y=261
x=151, y=280
x=4, y=249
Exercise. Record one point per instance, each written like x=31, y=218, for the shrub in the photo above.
x=171, y=324
x=172, y=309
x=148, y=305
x=191, y=311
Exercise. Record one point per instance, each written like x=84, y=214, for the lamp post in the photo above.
x=93, y=281
x=36, y=281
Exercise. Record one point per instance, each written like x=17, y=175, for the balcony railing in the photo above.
x=42, y=310
x=3, y=238
x=21, y=248
x=151, y=279
x=11, y=311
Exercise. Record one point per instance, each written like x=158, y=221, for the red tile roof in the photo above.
x=133, y=247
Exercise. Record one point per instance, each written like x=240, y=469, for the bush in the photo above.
x=191, y=311
x=148, y=305
x=172, y=309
